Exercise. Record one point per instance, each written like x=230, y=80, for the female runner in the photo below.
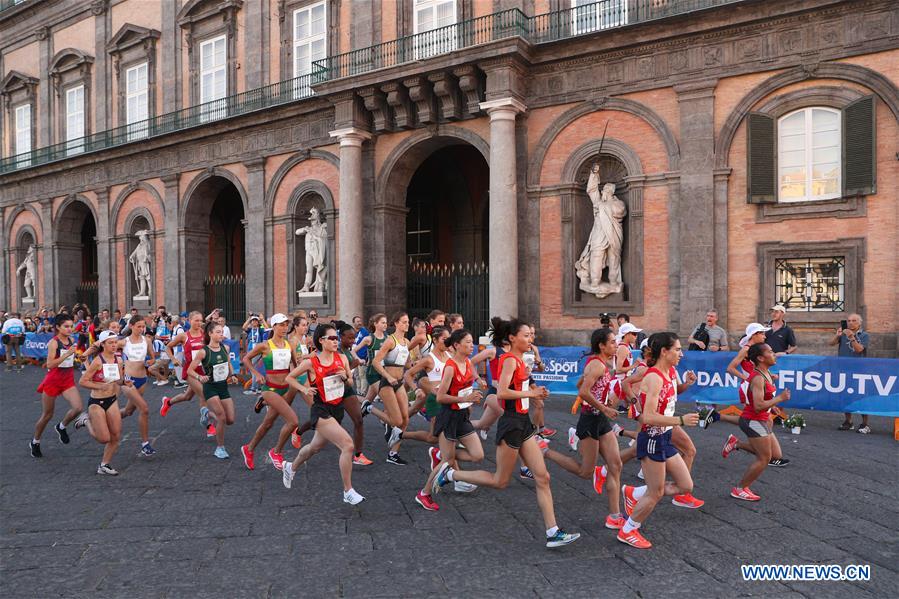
x=755, y=420
x=60, y=380
x=211, y=366
x=655, y=451
x=331, y=375
x=278, y=356
x=390, y=362
x=594, y=427
x=378, y=326
x=432, y=364
x=104, y=377
x=193, y=340
x=136, y=348
x=453, y=424
x=515, y=434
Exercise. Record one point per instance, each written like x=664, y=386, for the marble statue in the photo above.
x=29, y=265
x=141, y=260
x=603, y=249
x=316, y=248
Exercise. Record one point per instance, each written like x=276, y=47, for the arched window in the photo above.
x=809, y=155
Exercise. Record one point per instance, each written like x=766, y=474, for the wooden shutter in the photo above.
x=760, y=159
x=859, y=148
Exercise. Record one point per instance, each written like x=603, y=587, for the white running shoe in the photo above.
x=572, y=439
x=81, y=421
x=107, y=469
x=221, y=453
x=483, y=434
x=287, y=474
x=351, y=497
x=616, y=428
x=640, y=474
x=464, y=487
x=395, y=436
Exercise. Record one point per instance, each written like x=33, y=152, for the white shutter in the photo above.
x=75, y=119
x=213, y=77
x=310, y=34
x=432, y=15
x=22, y=127
x=136, y=101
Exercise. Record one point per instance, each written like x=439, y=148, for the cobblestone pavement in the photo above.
x=184, y=524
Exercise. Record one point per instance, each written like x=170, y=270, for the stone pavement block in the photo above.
x=203, y=549
x=51, y=580
x=725, y=568
x=254, y=547
x=744, y=543
x=828, y=590
x=166, y=532
x=24, y=558
x=580, y=571
x=121, y=553
x=884, y=582
x=884, y=554
x=378, y=584
x=661, y=560
x=600, y=587
x=693, y=583
x=313, y=541
x=471, y=580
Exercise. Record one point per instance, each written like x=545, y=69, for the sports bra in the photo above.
x=435, y=375
x=398, y=356
x=134, y=352
x=277, y=360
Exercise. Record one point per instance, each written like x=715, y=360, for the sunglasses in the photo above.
x=332, y=338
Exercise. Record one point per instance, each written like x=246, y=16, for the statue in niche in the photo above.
x=141, y=261
x=316, y=233
x=604, y=246
x=29, y=265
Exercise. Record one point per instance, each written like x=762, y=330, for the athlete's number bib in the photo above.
x=402, y=354
x=68, y=362
x=525, y=401
x=220, y=372
x=280, y=359
x=529, y=359
x=333, y=388
x=110, y=372
x=465, y=393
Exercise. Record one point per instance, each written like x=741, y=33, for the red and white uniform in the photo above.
x=327, y=381
x=749, y=412
x=60, y=378
x=628, y=362
x=749, y=368
x=600, y=389
x=191, y=345
x=460, y=386
x=520, y=382
x=667, y=400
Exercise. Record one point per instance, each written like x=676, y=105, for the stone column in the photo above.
x=503, y=244
x=253, y=49
x=105, y=280
x=254, y=246
x=44, y=94
x=173, y=297
x=102, y=72
x=695, y=215
x=350, y=258
x=49, y=248
x=170, y=48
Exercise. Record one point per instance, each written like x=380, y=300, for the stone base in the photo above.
x=316, y=298
x=27, y=304
x=141, y=301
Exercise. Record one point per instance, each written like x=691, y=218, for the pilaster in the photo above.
x=172, y=256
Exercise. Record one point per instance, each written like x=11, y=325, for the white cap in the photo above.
x=751, y=330
x=644, y=343
x=627, y=328
x=277, y=318
x=105, y=335
x=779, y=308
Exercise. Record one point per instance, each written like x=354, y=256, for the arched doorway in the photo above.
x=214, y=248
x=76, y=256
x=447, y=227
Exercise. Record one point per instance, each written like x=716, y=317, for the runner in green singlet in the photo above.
x=217, y=370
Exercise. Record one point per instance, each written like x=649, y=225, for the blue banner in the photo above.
x=858, y=385
x=233, y=353
x=35, y=346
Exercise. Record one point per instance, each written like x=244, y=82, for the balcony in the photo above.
x=545, y=28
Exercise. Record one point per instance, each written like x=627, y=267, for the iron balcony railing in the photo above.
x=548, y=27
x=252, y=100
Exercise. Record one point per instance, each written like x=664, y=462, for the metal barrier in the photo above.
x=461, y=288
x=227, y=292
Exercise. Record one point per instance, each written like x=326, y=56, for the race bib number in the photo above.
x=303, y=349
x=333, y=388
x=110, y=372
x=402, y=354
x=465, y=393
x=220, y=372
x=525, y=401
x=280, y=359
x=68, y=362
x=529, y=359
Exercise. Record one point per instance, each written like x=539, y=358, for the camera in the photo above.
x=606, y=318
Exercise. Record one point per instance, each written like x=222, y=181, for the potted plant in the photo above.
x=704, y=412
x=795, y=423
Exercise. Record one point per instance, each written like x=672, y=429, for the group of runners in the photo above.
x=434, y=370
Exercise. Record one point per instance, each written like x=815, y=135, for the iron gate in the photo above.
x=227, y=292
x=460, y=288
x=87, y=293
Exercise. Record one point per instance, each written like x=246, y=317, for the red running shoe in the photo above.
x=276, y=459
x=361, y=460
x=629, y=500
x=548, y=432
x=210, y=430
x=634, y=539
x=434, y=454
x=745, y=494
x=295, y=439
x=426, y=502
x=687, y=500
x=166, y=406
x=615, y=523
x=247, y=456
x=599, y=479
x=729, y=446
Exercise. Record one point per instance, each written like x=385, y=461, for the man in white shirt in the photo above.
x=13, y=333
x=225, y=330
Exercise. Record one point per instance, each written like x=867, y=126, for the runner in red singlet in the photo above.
x=59, y=380
x=193, y=339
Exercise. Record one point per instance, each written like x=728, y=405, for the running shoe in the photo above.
x=395, y=436
x=846, y=426
x=296, y=439
x=247, y=456
x=640, y=474
x=221, y=453
x=426, y=502
x=287, y=474
x=441, y=478
x=687, y=500
x=525, y=473
x=461, y=486
x=204, y=416
x=864, y=429
x=729, y=446
x=259, y=403
x=82, y=420
x=62, y=432
x=629, y=500
x=35, y=449
x=434, y=454
x=562, y=538
x=352, y=497
x=147, y=450
x=361, y=460
x=779, y=462
x=572, y=438
x=249, y=392
x=615, y=522
x=543, y=444
x=548, y=433
x=166, y=406
x=616, y=429
x=365, y=408
x=709, y=418
x=276, y=459
x=107, y=469
x=483, y=434
x=210, y=430
x=745, y=494
x=179, y=384
x=396, y=460
x=634, y=539
x=599, y=479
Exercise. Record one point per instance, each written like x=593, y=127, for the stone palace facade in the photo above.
x=449, y=143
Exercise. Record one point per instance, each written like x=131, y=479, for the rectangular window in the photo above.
x=310, y=42
x=808, y=155
x=811, y=284
x=75, y=120
x=589, y=15
x=23, y=133
x=136, y=101
x=432, y=22
x=213, y=78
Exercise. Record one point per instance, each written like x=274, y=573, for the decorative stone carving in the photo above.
x=447, y=91
x=603, y=249
x=29, y=265
x=398, y=99
x=420, y=93
x=376, y=103
x=316, y=233
x=471, y=82
x=141, y=262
